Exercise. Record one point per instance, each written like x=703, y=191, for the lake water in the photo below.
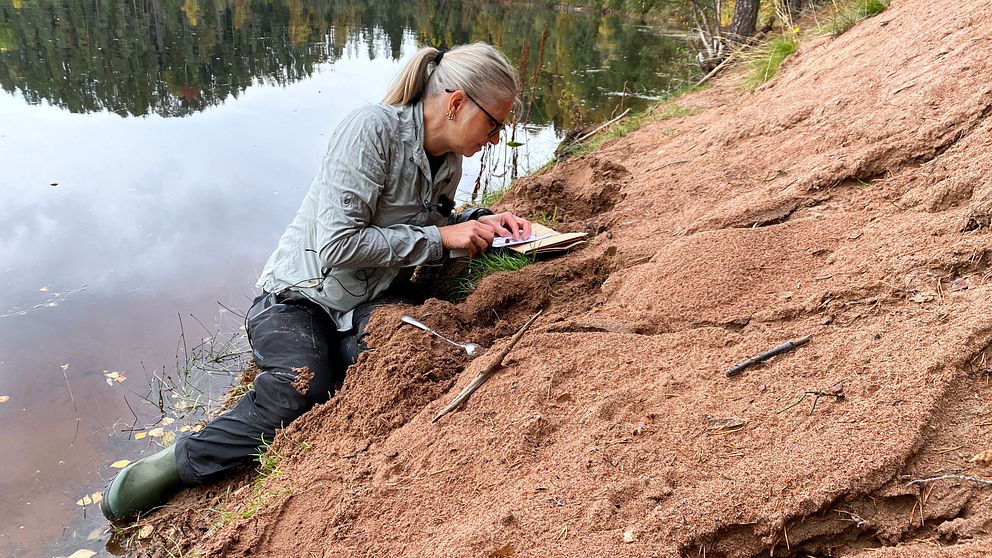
x=152, y=153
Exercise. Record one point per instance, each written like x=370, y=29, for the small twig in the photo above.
x=584, y=137
x=719, y=67
x=837, y=393
x=986, y=482
x=135, y=423
x=65, y=374
x=488, y=371
x=783, y=348
x=235, y=312
x=182, y=335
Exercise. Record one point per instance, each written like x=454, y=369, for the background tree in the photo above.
x=745, y=20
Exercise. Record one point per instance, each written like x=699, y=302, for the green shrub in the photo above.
x=856, y=12
x=767, y=59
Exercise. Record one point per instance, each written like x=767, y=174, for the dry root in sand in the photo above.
x=486, y=373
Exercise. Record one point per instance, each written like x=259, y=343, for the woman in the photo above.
x=379, y=205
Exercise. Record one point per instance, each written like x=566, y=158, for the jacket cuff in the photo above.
x=435, y=247
x=472, y=214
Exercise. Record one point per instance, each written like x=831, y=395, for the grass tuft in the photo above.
x=767, y=59
x=550, y=220
x=269, y=460
x=491, y=197
x=491, y=262
x=854, y=13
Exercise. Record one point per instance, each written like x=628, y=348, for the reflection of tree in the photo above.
x=176, y=58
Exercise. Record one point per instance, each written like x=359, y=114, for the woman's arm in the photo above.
x=353, y=175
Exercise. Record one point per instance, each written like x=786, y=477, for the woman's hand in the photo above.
x=474, y=236
x=507, y=224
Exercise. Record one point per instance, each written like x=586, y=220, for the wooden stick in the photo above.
x=719, y=67
x=488, y=371
x=783, y=348
x=584, y=137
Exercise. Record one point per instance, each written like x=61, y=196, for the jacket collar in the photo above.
x=412, y=133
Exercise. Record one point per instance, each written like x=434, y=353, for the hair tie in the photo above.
x=437, y=59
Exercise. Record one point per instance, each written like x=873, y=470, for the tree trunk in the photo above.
x=745, y=20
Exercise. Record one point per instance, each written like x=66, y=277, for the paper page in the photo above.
x=503, y=242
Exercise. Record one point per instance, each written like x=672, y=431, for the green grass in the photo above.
x=549, y=220
x=764, y=63
x=491, y=197
x=269, y=461
x=854, y=13
x=487, y=264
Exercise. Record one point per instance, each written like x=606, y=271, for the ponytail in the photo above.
x=479, y=69
x=408, y=87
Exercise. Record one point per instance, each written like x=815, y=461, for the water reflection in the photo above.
x=111, y=227
x=154, y=217
x=159, y=58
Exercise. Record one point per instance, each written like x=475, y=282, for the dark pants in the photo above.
x=287, y=333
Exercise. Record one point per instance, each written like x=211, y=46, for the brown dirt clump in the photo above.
x=572, y=191
x=849, y=199
x=303, y=378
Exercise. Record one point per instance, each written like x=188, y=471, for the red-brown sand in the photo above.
x=849, y=199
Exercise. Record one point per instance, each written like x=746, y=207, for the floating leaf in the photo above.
x=120, y=464
x=167, y=421
x=140, y=435
x=156, y=432
x=94, y=498
x=82, y=553
x=4, y=398
x=43, y=289
x=114, y=376
x=145, y=531
x=95, y=534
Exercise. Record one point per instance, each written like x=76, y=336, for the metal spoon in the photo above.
x=473, y=349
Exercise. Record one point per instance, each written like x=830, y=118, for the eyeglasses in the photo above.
x=497, y=124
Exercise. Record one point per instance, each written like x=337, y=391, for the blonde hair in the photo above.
x=478, y=68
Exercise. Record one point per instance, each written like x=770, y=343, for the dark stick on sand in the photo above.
x=783, y=348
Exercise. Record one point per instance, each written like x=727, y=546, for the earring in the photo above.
x=450, y=115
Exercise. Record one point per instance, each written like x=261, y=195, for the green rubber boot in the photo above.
x=141, y=486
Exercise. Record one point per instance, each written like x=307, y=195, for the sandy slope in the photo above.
x=850, y=199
